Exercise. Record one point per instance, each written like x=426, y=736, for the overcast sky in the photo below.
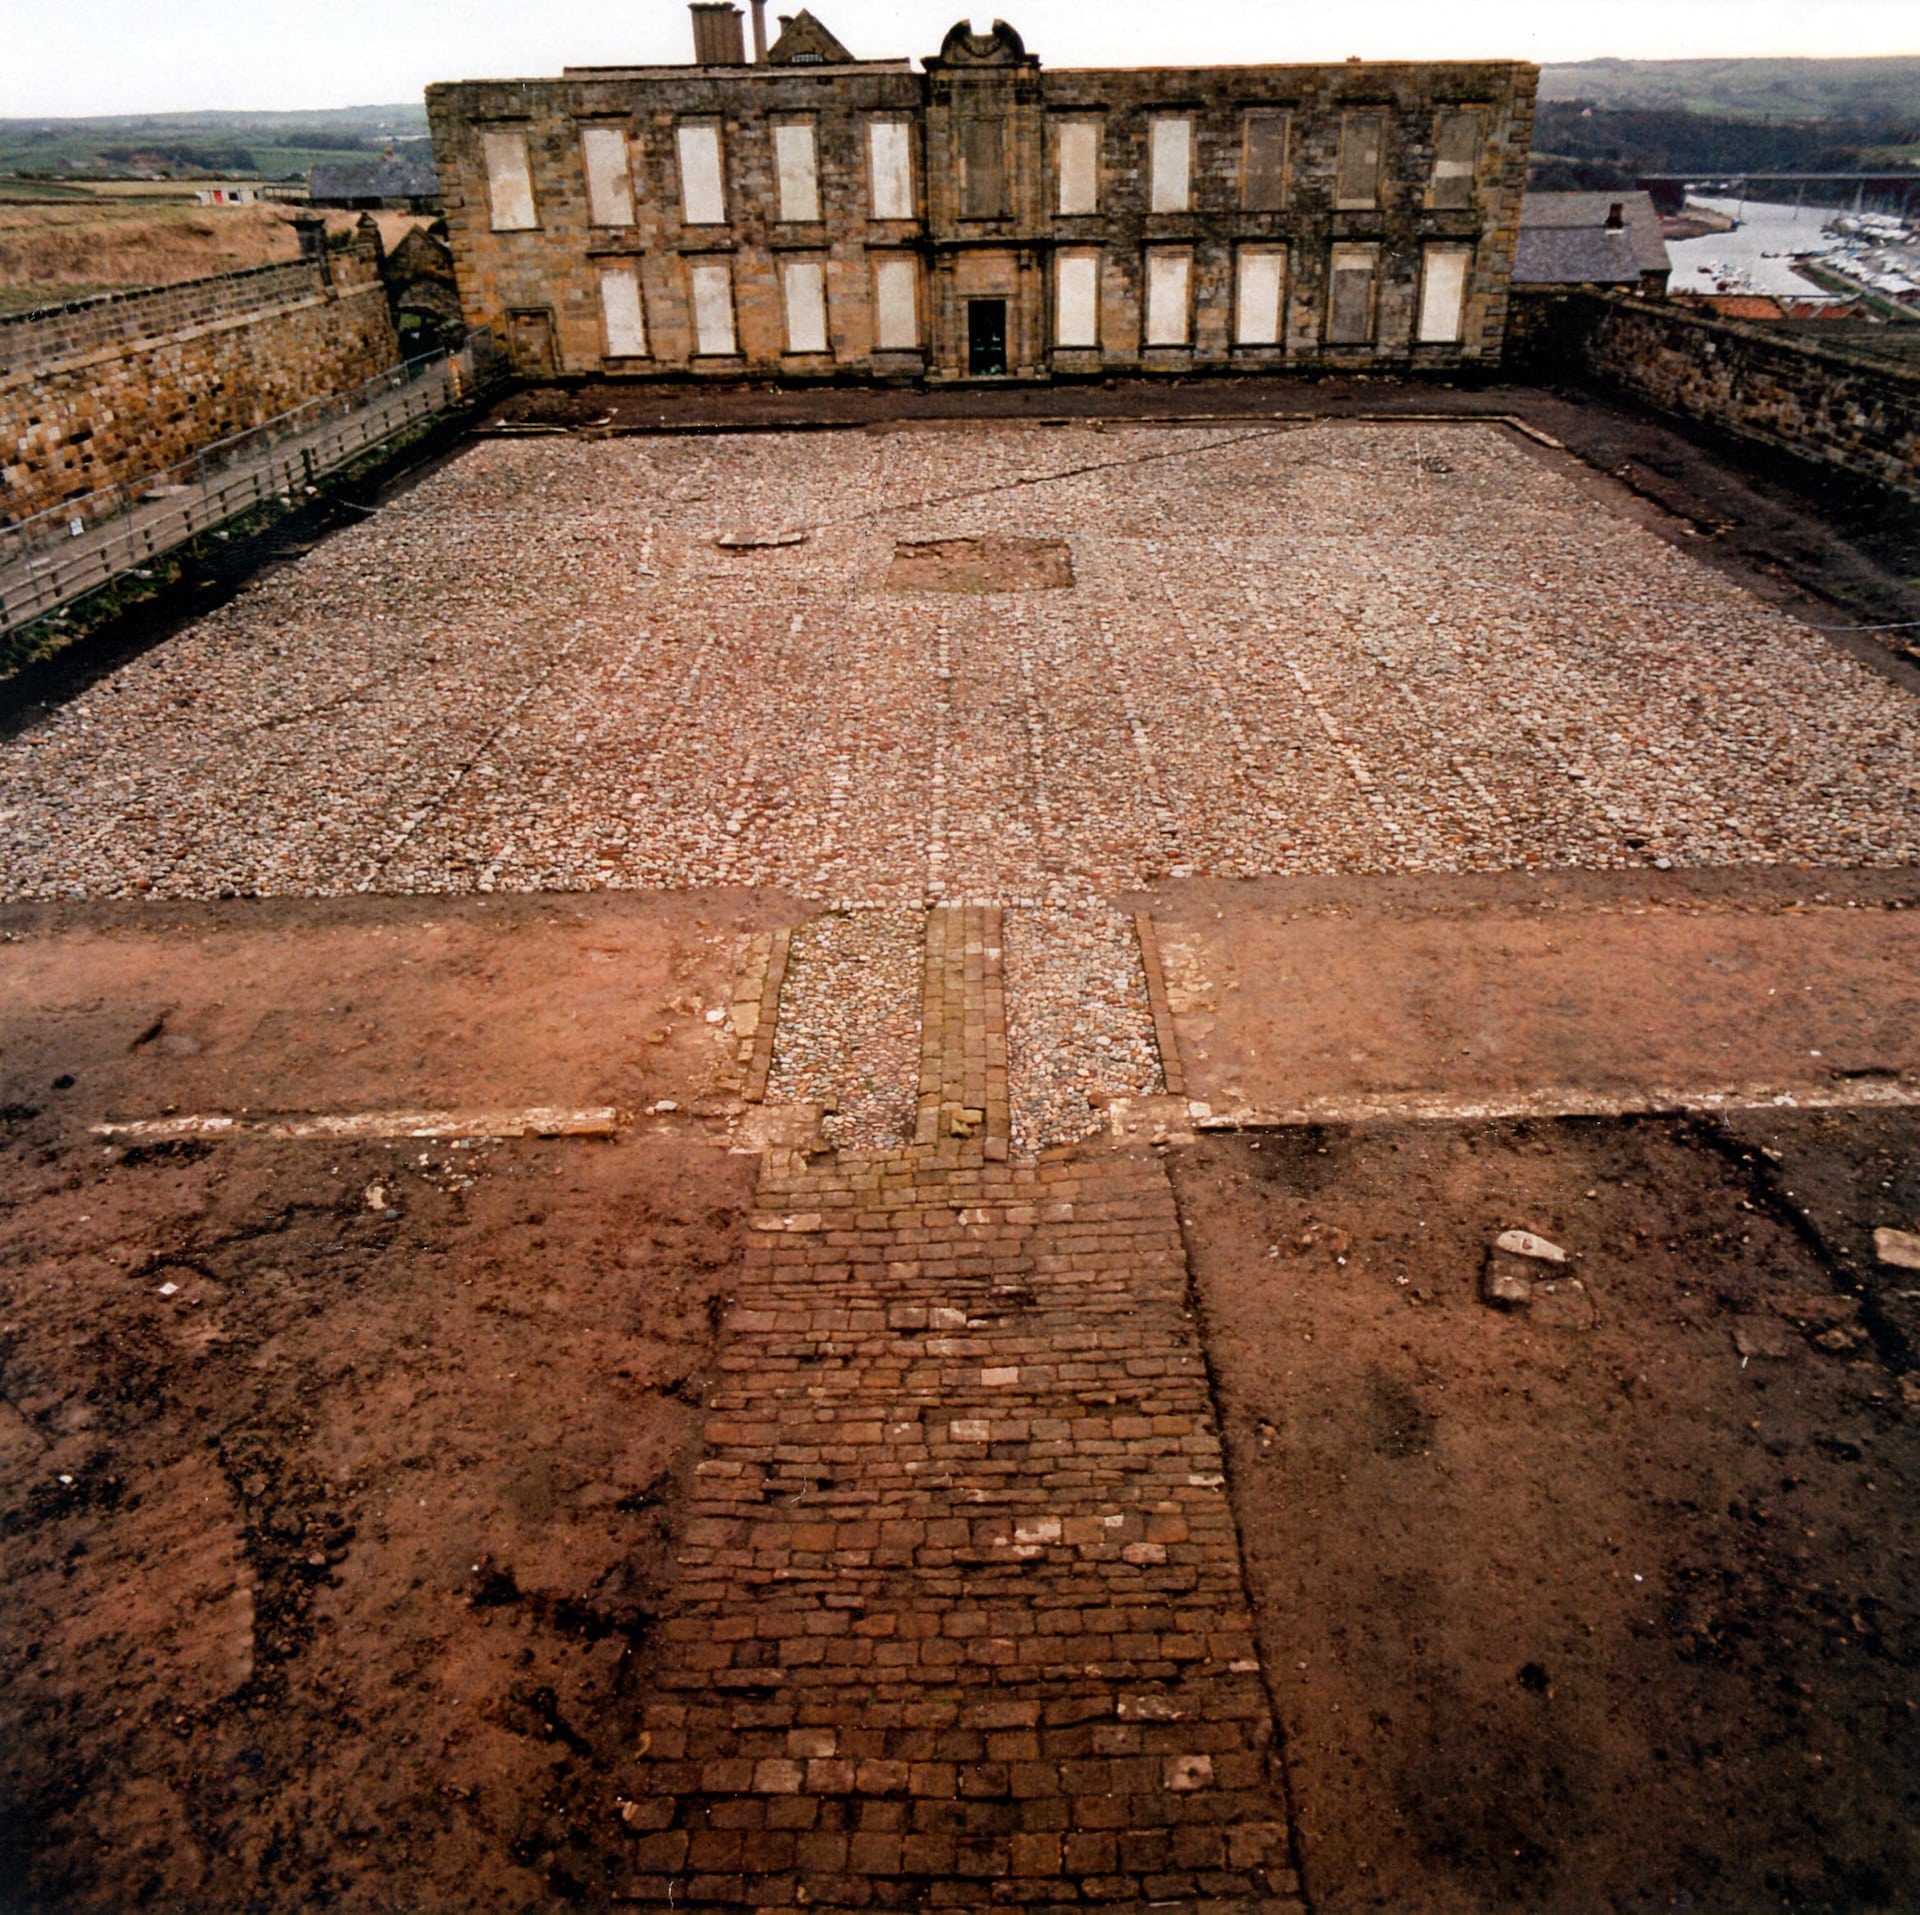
x=71, y=57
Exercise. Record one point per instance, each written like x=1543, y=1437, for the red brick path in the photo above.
x=959, y=1620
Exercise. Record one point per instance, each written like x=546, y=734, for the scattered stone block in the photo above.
x=1506, y=1282
x=1523, y=1243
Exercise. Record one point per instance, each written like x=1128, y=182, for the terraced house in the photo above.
x=803, y=214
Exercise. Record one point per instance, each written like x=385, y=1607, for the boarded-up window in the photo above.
x=713, y=309
x=1443, y=293
x=1456, y=149
x=805, y=283
x=1259, y=295
x=1362, y=141
x=1350, y=296
x=1079, y=166
x=983, y=170
x=703, y=198
x=1263, y=185
x=890, y=155
x=620, y=308
x=1170, y=163
x=603, y=150
x=1167, y=269
x=793, y=159
x=1076, y=300
x=896, y=305
x=509, y=183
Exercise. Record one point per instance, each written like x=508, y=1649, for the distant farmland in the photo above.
x=229, y=145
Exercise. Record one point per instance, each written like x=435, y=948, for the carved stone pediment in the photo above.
x=1002, y=47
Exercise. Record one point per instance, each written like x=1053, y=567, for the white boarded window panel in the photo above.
x=620, y=308
x=509, y=184
x=609, y=187
x=894, y=290
x=1443, y=291
x=806, y=286
x=1172, y=164
x=703, y=200
x=1263, y=274
x=1079, y=166
x=1077, y=300
x=799, y=176
x=713, y=309
x=1167, y=298
x=891, y=158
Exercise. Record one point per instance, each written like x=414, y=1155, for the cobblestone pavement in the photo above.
x=1315, y=649
x=959, y=1620
x=1287, y=649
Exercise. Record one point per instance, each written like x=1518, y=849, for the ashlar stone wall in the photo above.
x=113, y=389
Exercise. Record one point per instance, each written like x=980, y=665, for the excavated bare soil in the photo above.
x=1607, y=1602
x=340, y=1486
x=338, y=1481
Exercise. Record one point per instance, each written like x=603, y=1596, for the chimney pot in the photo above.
x=759, y=32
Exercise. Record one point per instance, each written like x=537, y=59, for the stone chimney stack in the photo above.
x=1616, y=216
x=717, y=39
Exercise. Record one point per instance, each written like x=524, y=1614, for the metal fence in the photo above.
x=60, y=555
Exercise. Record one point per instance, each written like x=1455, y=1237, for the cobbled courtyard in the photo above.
x=977, y=1511
x=1320, y=649
x=561, y=665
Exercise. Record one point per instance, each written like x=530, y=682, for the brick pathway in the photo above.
x=959, y=1620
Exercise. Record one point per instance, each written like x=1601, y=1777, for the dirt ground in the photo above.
x=368, y=1004
x=1605, y=1603
x=333, y=1530
x=1296, y=993
x=339, y=1479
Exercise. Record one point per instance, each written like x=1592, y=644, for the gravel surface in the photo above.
x=1316, y=649
x=1078, y=1028
x=849, y=1030
x=1312, y=649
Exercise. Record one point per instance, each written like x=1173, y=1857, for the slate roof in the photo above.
x=1562, y=236
x=390, y=176
x=1575, y=256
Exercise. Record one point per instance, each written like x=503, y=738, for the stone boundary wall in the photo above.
x=122, y=386
x=1806, y=396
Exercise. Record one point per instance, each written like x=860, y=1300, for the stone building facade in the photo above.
x=814, y=216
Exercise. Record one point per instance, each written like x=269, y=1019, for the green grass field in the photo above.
x=235, y=145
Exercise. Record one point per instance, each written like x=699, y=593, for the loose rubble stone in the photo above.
x=1765, y=1337
x=1901, y=1248
x=1523, y=1243
x=1506, y=1282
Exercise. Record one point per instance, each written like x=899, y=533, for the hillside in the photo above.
x=1852, y=90
x=230, y=145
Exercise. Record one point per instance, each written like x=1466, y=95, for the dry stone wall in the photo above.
x=1806, y=396
x=113, y=389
